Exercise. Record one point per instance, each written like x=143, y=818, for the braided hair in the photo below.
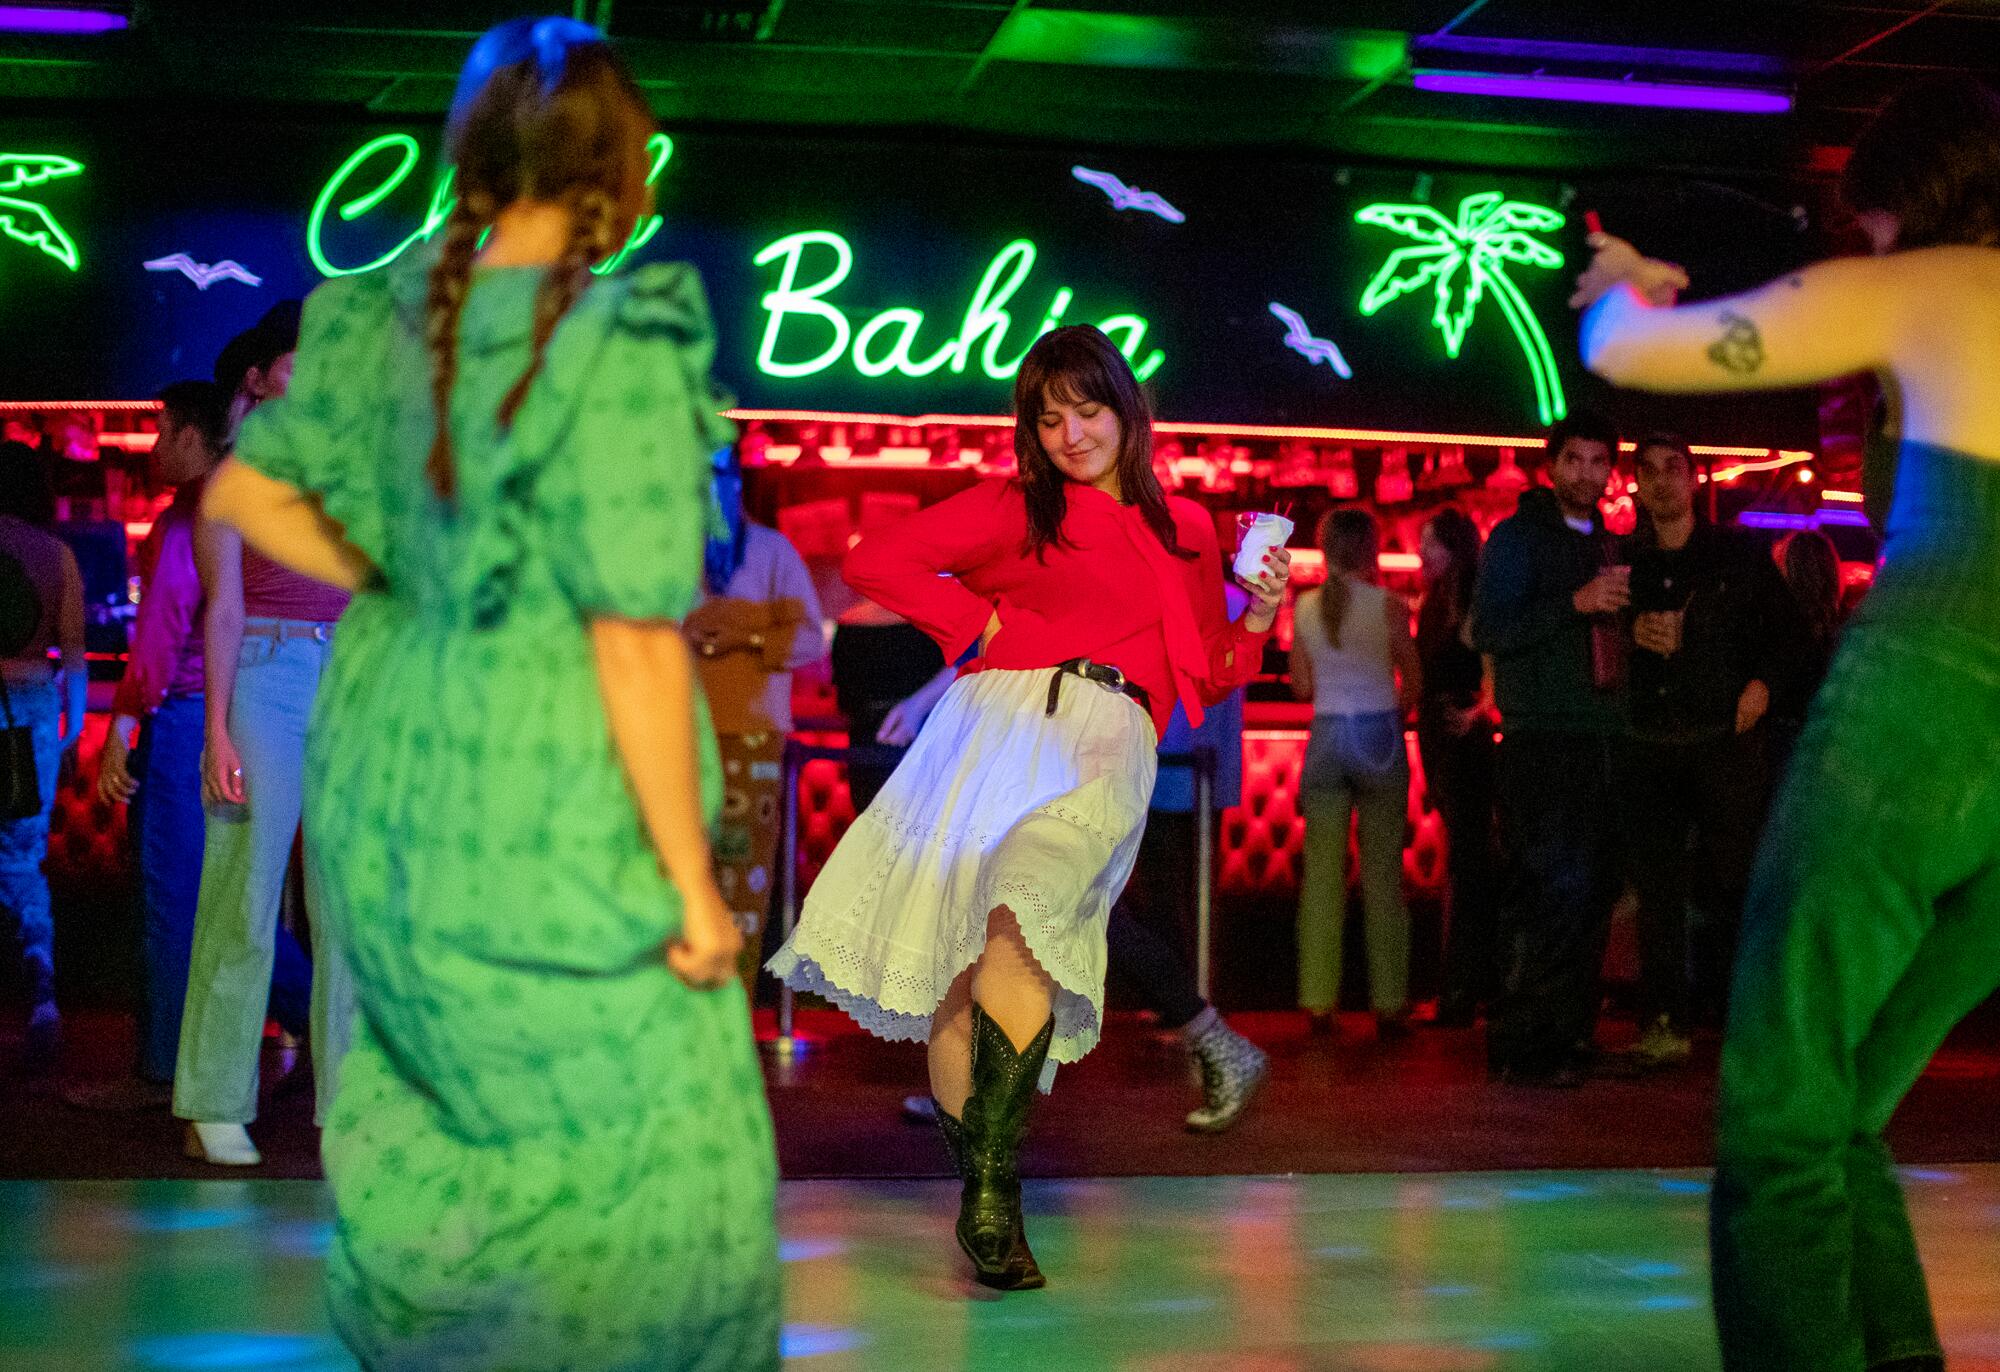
x=544, y=111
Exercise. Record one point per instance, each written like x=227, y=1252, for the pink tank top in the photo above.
x=274, y=592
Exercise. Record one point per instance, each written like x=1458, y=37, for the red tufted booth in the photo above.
x=1261, y=838
x=86, y=836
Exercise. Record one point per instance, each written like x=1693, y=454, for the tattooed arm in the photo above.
x=1828, y=320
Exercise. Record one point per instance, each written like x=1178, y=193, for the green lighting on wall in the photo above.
x=1461, y=262
x=660, y=148
x=887, y=342
x=27, y=221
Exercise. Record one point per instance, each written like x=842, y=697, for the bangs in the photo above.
x=1078, y=380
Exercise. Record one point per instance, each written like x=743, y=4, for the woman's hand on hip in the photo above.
x=705, y=954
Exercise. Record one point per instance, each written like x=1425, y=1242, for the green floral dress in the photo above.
x=545, y=1151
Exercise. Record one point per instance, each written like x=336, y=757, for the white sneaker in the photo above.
x=222, y=1145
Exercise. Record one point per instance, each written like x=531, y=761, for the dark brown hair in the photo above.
x=544, y=110
x=1932, y=159
x=1351, y=541
x=1665, y=438
x=1812, y=569
x=1077, y=364
x=199, y=405
x=1451, y=599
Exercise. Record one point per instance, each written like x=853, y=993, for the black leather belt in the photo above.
x=1103, y=673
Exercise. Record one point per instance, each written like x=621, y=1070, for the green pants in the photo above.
x=1872, y=927
x=1357, y=769
x=245, y=856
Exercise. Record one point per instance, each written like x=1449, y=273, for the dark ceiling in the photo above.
x=1322, y=76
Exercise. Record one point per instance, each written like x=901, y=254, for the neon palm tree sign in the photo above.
x=26, y=221
x=1462, y=263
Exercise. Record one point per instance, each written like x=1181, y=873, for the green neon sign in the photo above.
x=659, y=147
x=1462, y=262
x=28, y=221
x=887, y=342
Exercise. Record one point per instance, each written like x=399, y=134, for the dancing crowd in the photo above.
x=454, y=576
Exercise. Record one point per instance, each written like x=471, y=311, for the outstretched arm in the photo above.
x=1827, y=320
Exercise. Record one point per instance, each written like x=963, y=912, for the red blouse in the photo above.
x=1108, y=591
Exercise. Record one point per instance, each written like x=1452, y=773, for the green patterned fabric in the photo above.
x=546, y=1151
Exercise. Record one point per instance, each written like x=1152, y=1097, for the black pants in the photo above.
x=1693, y=815
x=1559, y=824
x=1152, y=923
x=1459, y=778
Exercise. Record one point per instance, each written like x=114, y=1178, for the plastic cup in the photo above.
x=1257, y=533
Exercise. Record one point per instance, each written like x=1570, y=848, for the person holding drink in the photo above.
x=1548, y=607
x=966, y=907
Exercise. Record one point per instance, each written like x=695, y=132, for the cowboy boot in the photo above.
x=989, y=1227
x=954, y=1135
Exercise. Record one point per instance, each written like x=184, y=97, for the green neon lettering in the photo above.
x=434, y=217
x=789, y=299
x=29, y=222
x=898, y=357
x=1463, y=261
x=1134, y=330
x=659, y=147
x=887, y=342
x=987, y=314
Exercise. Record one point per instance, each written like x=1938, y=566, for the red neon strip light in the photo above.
x=1176, y=426
x=1761, y=459
x=131, y=443
x=123, y=406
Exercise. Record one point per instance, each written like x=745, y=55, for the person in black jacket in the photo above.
x=1713, y=630
x=1547, y=606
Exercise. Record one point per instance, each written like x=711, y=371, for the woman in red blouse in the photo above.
x=966, y=906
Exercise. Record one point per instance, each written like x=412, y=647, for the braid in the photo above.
x=449, y=280
x=592, y=216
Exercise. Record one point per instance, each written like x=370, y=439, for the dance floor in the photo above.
x=1441, y=1272
x=1346, y=1104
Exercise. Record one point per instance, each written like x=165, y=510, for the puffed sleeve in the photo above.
x=321, y=436
x=627, y=502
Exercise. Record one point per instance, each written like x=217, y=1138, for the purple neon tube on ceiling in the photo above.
x=49, y=19
x=1598, y=91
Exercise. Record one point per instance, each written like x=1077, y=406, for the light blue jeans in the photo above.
x=245, y=856
x=24, y=845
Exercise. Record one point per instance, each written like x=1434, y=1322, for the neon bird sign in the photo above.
x=204, y=274
x=887, y=342
x=660, y=147
x=1301, y=340
x=1124, y=197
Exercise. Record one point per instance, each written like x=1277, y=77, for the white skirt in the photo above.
x=997, y=803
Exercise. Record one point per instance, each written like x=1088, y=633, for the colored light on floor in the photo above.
x=1438, y=1273
x=1598, y=91
x=48, y=19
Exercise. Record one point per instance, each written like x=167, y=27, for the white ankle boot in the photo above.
x=223, y=1145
